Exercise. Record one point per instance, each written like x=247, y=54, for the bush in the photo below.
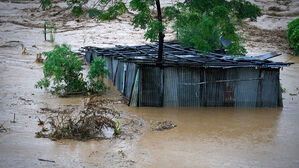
x=97, y=74
x=51, y=30
x=63, y=72
x=293, y=35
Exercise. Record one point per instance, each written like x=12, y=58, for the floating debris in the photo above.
x=14, y=118
x=39, y=58
x=40, y=122
x=2, y=128
x=45, y=160
x=163, y=125
x=121, y=154
x=89, y=124
x=11, y=44
x=23, y=50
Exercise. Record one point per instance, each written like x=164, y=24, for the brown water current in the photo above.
x=204, y=137
x=227, y=137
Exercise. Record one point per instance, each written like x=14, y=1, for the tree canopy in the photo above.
x=198, y=23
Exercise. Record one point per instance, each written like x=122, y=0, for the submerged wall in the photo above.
x=150, y=85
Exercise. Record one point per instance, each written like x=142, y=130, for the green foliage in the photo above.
x=117, y=9
x=50, y=29
x=243, y=9
x=293, y=35
x=45, y=4
x=117, y=128
x=94, y=13
x=154, y=28
x=64, y=69
x=63, y=72
x=202, y=35
x=171, y=12
x=77, y=11
x=235, y=49
x=200, y=23
x=96, y=75
x=73, y=3
x=143, y=17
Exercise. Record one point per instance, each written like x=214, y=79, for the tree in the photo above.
x=205, y=20
x=200, y=23
x=293, y=35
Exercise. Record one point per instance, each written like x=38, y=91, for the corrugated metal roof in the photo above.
x=174, y=55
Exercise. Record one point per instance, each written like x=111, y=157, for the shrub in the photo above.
x=51, y=30
x=97, y=74
x=63, y=72
x=293, y=35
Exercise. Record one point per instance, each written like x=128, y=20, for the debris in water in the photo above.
x=45, y=129
x=40, y=122
x=64, y=111
x=45, y=160
x=14, y=118
x=163, y=125
x=23, y=50
x=121, y=154
x=39, y=58
x=88, y=124
x=26, y=101
x=2, y=128
x=11, y=44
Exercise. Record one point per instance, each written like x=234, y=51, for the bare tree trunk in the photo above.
x=161, y=35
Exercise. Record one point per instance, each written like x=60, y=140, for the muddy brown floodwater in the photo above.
x=203, y=137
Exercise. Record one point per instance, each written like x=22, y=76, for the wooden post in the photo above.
x=161, y=35
x=45, y=31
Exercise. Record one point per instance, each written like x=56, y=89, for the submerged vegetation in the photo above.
x=87, y=125
x=97, y=120
x=49, y=29
x=90, y=123
x=293, y=35
x=63, y=72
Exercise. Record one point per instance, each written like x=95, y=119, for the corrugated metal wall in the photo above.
x=120, y=77
x=189, y=86
x=114, y=68
x=210, y=87
x=171, y=86
x=246, y=91
x=130, y=79
x=270, y=88
x=151, y=86
x=213, y=91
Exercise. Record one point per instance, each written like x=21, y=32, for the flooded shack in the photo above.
x=188, y=78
